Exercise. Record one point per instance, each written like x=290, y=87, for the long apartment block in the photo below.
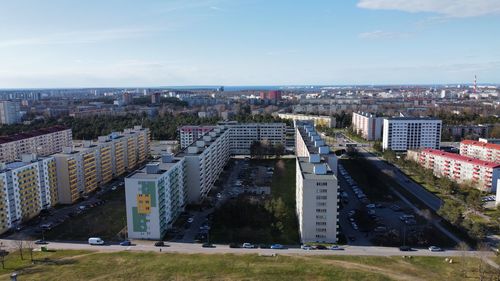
x=82, y=169
x=42, y=142
x=403, y=133
x=481, y=150
x=155, y=196
x=368, y=125
x=483, y=175
x=316, y=186
x=189, y=134
x=26, y=187
x=319, y=120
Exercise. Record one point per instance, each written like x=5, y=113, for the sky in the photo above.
x=149, y=43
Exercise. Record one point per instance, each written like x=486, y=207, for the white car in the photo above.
x=248, y=246
x=306, y=247
x=435, y=249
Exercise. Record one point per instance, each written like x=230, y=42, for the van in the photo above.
x=96, y=241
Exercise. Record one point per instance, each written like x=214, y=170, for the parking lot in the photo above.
x=384, y=221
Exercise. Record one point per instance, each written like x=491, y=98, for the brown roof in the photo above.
x=31, y=134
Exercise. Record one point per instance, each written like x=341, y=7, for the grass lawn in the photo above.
x=156, y=266
x=265, y=220
x=104, y=221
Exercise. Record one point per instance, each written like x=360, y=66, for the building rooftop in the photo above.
x=482, y=144
x=461, y=158
x=31, y=134
x=414, y=118
x=307, y=169
x=162, y=168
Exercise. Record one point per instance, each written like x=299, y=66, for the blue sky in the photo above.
x=101, y=43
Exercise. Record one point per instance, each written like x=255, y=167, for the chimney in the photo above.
x=167, y=158
x=27, y=158
x=200, y=143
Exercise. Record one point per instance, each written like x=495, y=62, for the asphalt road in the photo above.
x=190, y=248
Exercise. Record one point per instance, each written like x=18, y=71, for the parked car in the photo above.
x=159, y=244
x=208, y=245
x=277, y=247
x=41, y=242
x=435, y=249
x=190, y=220
x=306, y=247
x=96, y=241
x=234, y=245
x=126, y=243
x=248, y=246
x=321, y=247
x=335, y=248
x=405, y=248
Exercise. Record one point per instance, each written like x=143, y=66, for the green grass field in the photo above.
x=78, y=265
x=104, y=221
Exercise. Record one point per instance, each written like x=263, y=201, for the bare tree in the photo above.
x=3, y=254
x=19, y=245
x=463, y=248
x=30, y=245
x=482, y=249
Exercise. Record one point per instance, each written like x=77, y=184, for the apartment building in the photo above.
x=205, y=160
x=10, y=112
x=367, y=125
x=42, y=142
x=403, y=133
x=243, y=135
x=482, y=174
x=26, y=187
x=481, y=150
x=316, y=187
x=189, y=134
x=319, y=120
x=155, y=196
x=83, y=168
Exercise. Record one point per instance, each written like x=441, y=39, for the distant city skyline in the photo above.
x=153, y=43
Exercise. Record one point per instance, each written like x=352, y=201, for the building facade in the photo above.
x=403, y=133
x=367, y=125
x=319, y=120
x=481, y=174
x=155, y=196
x=316, y=187
x=26, y=187
x=189, y=134
x=10, y=112
x=42, y=142
x=481, y=150
x=84, y=168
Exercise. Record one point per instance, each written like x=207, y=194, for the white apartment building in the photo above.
x=481, y=174
x=316, y=187
x=205, y=160
x=189, y=134
x=26, y=187
x=81, y=169
x=10, y=112
x=243, y=135
x=481, y=150
x=319, y=120
x=367, y=125
x=42, y=142
x=155, y=196
x=403, y=133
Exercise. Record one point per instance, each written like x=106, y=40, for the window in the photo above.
x=321, y=204
x=320, y=210
x=321, y=183
x=321, y=190
x=320, y=223
x=320, y=230
x=321, y=197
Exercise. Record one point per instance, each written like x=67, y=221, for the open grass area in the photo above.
x=104, y=221
x=261, y=219
x=156, y=266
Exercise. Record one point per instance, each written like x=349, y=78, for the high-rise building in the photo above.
x=367, y=125
x=316, y=186
x=26, y=187
x=403, y=133
x=155, y=98
x=155, y=196
x=42, y=142
x=319, y=120
x=10, y=112
x=83, y=168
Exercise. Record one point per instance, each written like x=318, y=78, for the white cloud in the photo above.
x=447, y=8
x=379, y=34
x=77, y=37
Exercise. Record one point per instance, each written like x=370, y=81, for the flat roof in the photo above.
x=307, y=169
x=31, y=134
x=461, y=158
x=414, y=118
x=482, y=144
x=163, y=167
